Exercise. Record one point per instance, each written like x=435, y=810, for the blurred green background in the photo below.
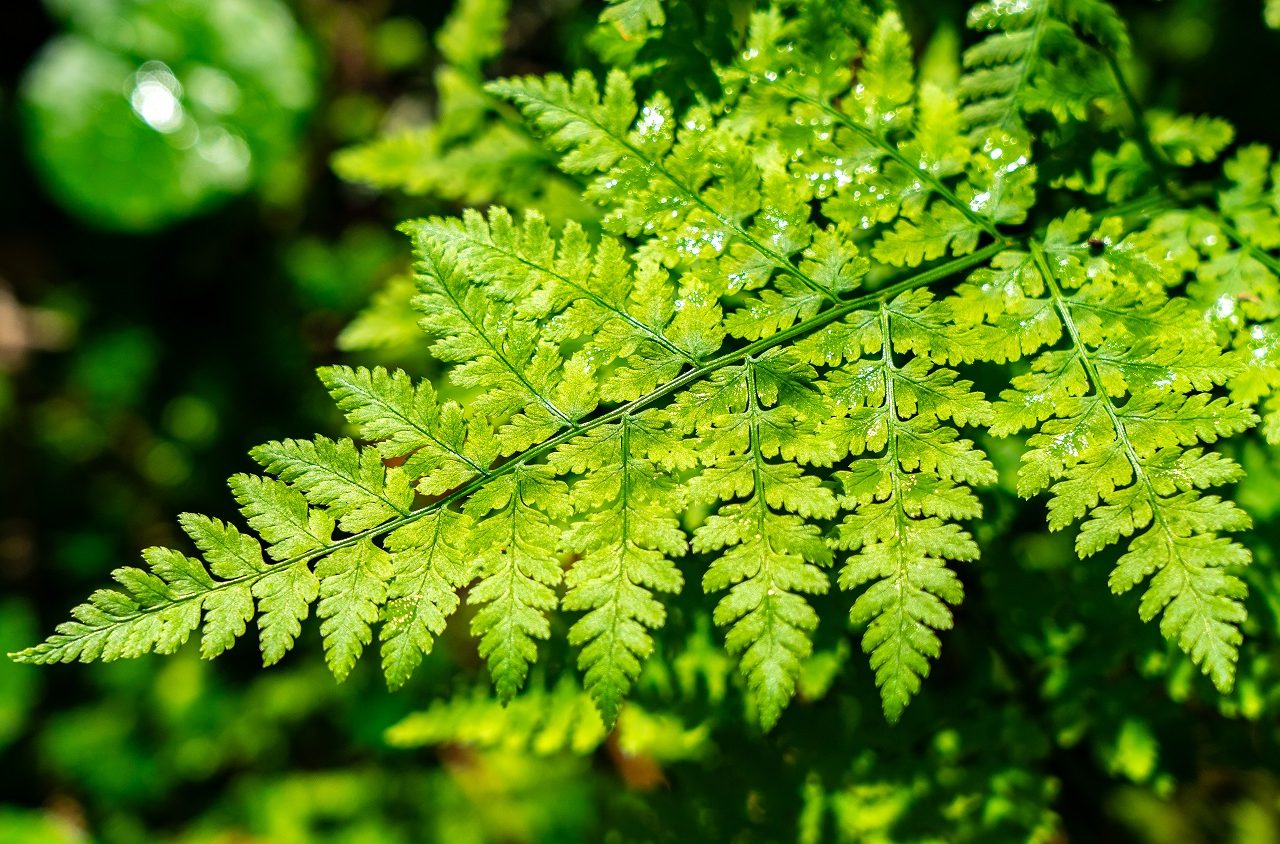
x=177, y=255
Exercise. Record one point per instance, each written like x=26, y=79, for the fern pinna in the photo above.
x=762, y=373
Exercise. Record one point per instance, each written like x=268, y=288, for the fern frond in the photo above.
x=696, y=195
x=353, y=588
x=1119, y=411
x=404, y=418
x=388, y=324
x=1236, y=281
x=738, y=380
x=429, y=563
x=231, y=555
x=521, y=376
x=514, y=539
x=1135, y=167
x=626, y=313
x=351, y=483
x=543, y=721
x=890, y=152
x=472, y=34
x=158, y=608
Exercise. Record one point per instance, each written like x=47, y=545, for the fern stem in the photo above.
x=760, y=346
x=893, y=152
x=1063, y=305
x=815, y=322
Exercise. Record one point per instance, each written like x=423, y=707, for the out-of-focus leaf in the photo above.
x=143, y=113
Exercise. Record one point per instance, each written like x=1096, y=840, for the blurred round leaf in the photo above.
x=145, y=112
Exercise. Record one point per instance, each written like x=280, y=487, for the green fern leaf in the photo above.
x=626, y=545
x=352, y=484
x=910, y=481
x=232, y=556
x=353, y=586
x=751, y=422
x=284, y=601
x=628, y=312
x=514, y=540
x=429, y=565
x=521, y=376
x=1236, y=279
x=407, y=419
x=759, y=370
x=1039, y=58
x=1116, y=417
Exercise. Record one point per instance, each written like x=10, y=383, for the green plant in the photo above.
x=475, y=149
x=777, y=361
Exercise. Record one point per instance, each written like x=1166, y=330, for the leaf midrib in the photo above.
x=686, y=378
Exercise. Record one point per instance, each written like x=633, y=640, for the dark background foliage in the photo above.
x=136, y=368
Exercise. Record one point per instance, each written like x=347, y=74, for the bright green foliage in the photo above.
x=769, y=367
x=351, y=483
x=471, y=151
x=904, y=496
x=231, y=554
x=546, y=722
x=889, y=150
x=388, y=324
x=1237, y=276
x=630, y=309
x=429, y=565
x=1118, y=411
x=542, y=721
x=515, y=543
x=756, y=430
x=1039, y=59
x=519, y=374
x=626, y=543
x=407, y=418
x=353, y=585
